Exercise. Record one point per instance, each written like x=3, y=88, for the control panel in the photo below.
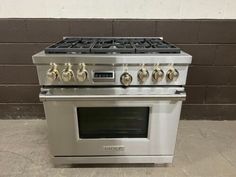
x=126, y=75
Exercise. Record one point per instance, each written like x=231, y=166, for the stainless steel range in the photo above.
x=112, y=100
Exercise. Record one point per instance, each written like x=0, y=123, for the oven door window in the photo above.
x=113, y=122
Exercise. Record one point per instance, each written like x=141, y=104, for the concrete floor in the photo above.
x=204, y=149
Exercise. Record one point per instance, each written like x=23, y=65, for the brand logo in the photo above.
x=114, y=148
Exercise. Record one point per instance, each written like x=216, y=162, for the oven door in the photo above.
x=112, y=121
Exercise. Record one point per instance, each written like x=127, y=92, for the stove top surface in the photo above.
x=126, y=45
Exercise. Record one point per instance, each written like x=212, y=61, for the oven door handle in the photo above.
x=178, y=96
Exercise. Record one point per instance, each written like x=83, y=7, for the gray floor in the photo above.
x=204, y=149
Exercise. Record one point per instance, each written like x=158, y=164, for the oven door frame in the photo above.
x=61, y=112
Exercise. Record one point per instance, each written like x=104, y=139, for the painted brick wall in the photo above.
x=211, y=83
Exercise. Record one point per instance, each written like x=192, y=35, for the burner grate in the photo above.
x=112, y=45
x=154, y=45
x=71, y=45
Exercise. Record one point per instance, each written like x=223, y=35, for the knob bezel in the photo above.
x=82, y=73
x=172, y=74
x=53, y=73
x=67, y=73
x=141, y=76
x=160, y=75
x=126, y=81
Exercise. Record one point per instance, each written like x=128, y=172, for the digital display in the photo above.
x=103, y=76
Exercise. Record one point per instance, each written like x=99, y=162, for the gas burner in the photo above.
x=112, y=45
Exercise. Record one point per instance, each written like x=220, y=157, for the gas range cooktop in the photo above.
x=107, y=61
x=112, y=88
x=95, y=45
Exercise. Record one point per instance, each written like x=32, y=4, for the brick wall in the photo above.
x=211, y=83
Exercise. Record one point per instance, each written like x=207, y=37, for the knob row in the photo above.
x=67, y=73
x=157, y=74
x=143, y=74
x=126, y=78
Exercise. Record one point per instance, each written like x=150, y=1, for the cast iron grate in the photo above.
x=130, y=45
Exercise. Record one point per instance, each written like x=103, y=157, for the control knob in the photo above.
x=143, y=74
x=82, y=73
x=172, y=74
x=126, y=79
x=53, y=72
x=67, y=73
x=157, y=74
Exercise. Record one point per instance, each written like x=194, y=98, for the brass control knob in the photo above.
x=126, y=79
x=53, y=73
x=143, y=74
x=82, y=73
x=172, y=74
x=67, y=73
x=157, y=74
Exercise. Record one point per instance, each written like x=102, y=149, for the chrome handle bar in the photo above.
x=178, y=96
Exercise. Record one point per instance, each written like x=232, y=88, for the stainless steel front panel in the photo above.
x=60, y=107
x=118, y=63
x=162, y=58
x=161, y=159
x=118, y=71
x=63, y=97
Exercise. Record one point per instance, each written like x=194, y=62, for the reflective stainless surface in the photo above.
x=116, y=94
x=84, y=65
x=159, y=159
x=63, y=123
x=118, y=71
x=182, y=58
x=146, y=80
